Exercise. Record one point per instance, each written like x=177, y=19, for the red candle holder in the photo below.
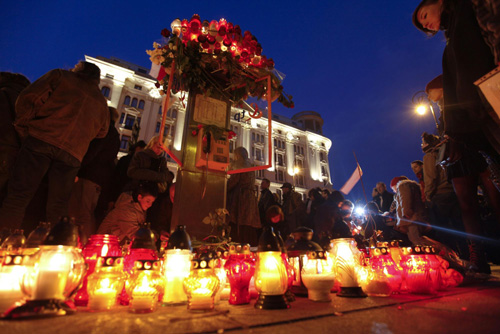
x=420, y=274
x=142, y=248
x=99, y=245
x=240, y=267
x=382, y=262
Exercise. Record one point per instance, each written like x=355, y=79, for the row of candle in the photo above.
x=54, y=272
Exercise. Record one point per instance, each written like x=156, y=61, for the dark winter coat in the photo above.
x=64, y=110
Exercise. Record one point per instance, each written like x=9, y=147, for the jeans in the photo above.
x=36, y=159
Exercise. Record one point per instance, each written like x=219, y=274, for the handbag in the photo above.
x=489, y=87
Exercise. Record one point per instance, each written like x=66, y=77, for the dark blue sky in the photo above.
x=358, y=63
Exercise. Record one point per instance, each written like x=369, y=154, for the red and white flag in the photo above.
x=355, y=177
x=157, y=71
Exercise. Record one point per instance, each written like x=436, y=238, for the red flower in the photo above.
x=165, y=33
x=200, y=126
x=194, y=132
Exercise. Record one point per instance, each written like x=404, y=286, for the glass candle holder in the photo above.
x=419, y=273
x=271, y=278
x=297, y=256
x=346, y=265
x=144, y=286
x=98, y=245
x=240, y=267
x=176, y=266
x=105, y=283
x=12, y=271
x=317, y=277
x=382, y=264
x=201, y=285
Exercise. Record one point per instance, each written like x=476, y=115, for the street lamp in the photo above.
x=421, y=101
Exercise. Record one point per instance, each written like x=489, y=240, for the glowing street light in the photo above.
x=421, y=101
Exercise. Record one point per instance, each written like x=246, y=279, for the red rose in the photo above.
x=165, y=33
x=194, y=132
x=200, y=126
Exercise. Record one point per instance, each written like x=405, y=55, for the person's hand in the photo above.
x=455, y=152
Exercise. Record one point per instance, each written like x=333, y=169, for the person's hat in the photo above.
x=286, y=185
x=396, y=180
x=436, y=83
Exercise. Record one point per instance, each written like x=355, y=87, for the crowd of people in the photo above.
x=58, y=149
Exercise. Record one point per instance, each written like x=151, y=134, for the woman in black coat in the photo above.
x=466, y=58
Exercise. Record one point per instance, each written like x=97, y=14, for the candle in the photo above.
x=177, y=268
x=104, y=297
x=11, y=274
x=319, y=286
x=144, y=297
x=270, y=274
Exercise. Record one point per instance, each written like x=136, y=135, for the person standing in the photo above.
x=57, y=117
x=266, y=200
x=242, y=201
x=11, y=85
x=469, y=128
x=94, y=175
x=382, y=197
x=293, y=207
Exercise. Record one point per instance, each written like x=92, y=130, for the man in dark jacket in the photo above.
x=11, y=85
x=56, y=117
x=94, y=176
x=266, y=200
x=382, y=197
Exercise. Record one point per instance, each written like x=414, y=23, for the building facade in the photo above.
x=299, y=149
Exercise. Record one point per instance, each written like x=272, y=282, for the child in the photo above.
x=129, y=212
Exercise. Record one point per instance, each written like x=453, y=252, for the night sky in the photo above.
x=357, y=63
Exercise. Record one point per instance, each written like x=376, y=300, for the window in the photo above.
x=275, y=143
x=279, y=159
x=322, y=156
x=127, y=100
x=122, y=116
x=106, y=91
x=129, y=122
x=157, y=127
x=159, y=110
x=141, y=104
x=138, y=87
x=259, y=174
x=110, y=76
x=302, y=150
x=231, y=146
x=258, y=154
x=174, y=113
x=134, y=102
x=323, y=171
x=280, y=176
x=253, y=136
x=124, y=143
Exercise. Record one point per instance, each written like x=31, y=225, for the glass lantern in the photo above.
x=420, y=274
x=143, y=247
x=98, y=245
x=54, y=273
x=297, y=256
x=12, y=271
x=240, y=267
x=144, y=286
x=317, y=277
x=382, y=263
x=290, y=297
x=346, y=265
x=105, y=283
x=271, y=278
x=202, y=284
x=176, y=266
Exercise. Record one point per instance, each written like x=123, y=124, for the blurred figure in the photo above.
x=57, y=117
x=410, y=210
x=94, y=175
x=325, y=193
x=266, y=200
x=293, y=207
x=314, y=200
x=417, y=167
x=382, y=197
x=11, y=85
x=242, y=201
x=328, y=220
x=276, y=218
x=121, y=178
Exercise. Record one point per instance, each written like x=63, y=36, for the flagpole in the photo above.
x=360, y=176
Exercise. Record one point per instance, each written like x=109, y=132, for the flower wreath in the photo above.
x=207, y=54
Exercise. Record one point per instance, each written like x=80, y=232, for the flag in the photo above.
x=157, y=71
x=355, y=177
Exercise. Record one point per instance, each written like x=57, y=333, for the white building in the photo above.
x=300, y=151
